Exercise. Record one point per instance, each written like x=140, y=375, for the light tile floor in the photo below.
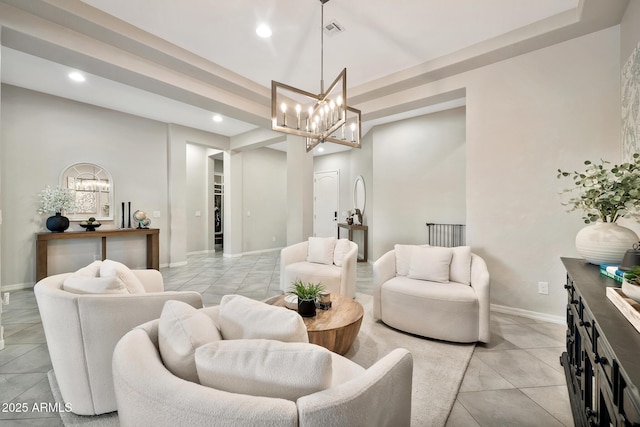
x=516, y=380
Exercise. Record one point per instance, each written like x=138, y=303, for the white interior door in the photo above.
x=325, y=203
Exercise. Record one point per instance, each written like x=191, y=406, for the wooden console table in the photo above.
x=365, y=230
x=42, y=244
x=601, y=361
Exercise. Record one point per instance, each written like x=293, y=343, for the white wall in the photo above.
x=350, y=164
x=264, y=192
x=42, y=135
x=419, y=177
x=527, y=117
x=197, y=199
x=629, y=31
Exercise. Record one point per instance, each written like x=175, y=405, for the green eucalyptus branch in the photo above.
x=605, y=194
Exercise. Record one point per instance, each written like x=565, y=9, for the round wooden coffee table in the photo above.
x=336, y=328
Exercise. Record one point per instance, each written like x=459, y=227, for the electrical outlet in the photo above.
x=274, y=238
x=156, y=214
x=5, y=298
x=543, y=288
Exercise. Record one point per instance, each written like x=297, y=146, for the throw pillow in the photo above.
x=245, y=318
x=264, y=368
x=93, y=285
x=181, y=330
x=340, y=251
x=91, y=270
x=110, y=268
x=321, y=250
x=403, y=257
x=431, y=264
x=461, y=265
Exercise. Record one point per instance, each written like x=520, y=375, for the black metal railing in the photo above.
x=448, y=235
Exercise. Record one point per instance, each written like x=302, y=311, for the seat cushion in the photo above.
x=447, y=311
x=265, y=367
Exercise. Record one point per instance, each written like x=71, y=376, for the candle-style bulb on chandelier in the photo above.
x=317, y=118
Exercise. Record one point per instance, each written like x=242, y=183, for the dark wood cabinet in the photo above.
x=602, y=361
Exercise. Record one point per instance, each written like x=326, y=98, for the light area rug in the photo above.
x=438, y=366
x=69, y=419
x=438, y=369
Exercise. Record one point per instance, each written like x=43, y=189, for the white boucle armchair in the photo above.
x=337, y=276
x=451, y=311
x=148, y=394
x=83, y=329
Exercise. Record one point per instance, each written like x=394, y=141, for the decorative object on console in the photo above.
x=92, y=186
x=57, y=200
x=141, y=218
x=350, y=214
x=605, y=195
x=128, y=215
x=631, y=283
x=604, y=242
x=307, y=294
x=318, y=118
x=359, y=216
x=91, y=224
x=631, y=258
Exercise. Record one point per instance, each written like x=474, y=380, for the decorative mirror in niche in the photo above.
x=93, y=187
x=359, y=194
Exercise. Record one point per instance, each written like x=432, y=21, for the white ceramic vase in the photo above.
x=604, y=242
x=631, y=291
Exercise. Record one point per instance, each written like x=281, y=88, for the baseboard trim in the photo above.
x=17, y=287
x=205, y=252
x=177, y=264
x=561, y=320
x=261, y=251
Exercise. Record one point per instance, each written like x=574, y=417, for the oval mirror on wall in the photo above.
x=359, y=194
x=93, y=187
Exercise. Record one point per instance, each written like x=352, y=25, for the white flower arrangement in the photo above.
x=57, y=200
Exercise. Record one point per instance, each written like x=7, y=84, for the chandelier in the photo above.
x=317, y=118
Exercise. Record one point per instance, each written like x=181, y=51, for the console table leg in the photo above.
x=153, y=251
x=41, y=259
x=104, y=248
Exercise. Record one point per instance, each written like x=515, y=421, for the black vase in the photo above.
x=57, y=223
x=306, y=308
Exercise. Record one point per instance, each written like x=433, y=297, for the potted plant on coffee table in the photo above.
x=307, y=294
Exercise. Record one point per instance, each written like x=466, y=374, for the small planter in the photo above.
x=631, y=290
x=306, y=308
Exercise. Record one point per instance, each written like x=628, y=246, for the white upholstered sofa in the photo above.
x=325, y=260
x=148, y=393
x=433, y=292
x=83, y=329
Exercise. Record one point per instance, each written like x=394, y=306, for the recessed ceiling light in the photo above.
x=320, y=149
x=76, y=76
x=217, y=118
x=263, y=31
